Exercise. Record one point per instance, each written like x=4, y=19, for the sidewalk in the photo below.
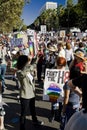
x=13, y=109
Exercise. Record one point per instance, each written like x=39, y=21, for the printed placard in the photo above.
x=53, y=84
x=16, y=42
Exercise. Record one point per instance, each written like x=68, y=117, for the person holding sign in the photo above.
x=61, y=65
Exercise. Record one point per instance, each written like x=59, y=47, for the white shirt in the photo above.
x=61, y=53
x=69, y=54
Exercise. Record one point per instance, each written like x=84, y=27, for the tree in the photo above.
x=83, y=4
x=49, y=18
x=82, y=15
x=69, y=3
x=10, y=13
x=69, y=18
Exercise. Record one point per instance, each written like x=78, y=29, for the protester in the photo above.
x=2, y=112
x=71, y=103
x=49, y=58
x=61, y=65
x=13, y=66
x=69, y=53
x=79, y=120
x=81, y=47
x=27, y=90
x=40, y=59
x=2, y=73
x=61, y=51
x=78, y=60
x=26, y=50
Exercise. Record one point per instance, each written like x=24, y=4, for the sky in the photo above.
x=32, y=10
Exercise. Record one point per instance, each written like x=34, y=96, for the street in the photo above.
x=13, y=109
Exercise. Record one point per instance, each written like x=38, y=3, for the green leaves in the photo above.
x=10, y=12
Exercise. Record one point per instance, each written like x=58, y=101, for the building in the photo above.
x=48, y=5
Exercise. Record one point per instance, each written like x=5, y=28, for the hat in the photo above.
x=80, y=55
x=60, y=43
x=52, y=49
x=14, y=52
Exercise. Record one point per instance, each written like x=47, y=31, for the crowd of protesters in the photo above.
x=53, y=53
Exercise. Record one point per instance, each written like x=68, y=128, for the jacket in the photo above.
x=25, y=77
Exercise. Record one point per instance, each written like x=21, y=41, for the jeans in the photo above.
x=69, y=112
x=2, y=72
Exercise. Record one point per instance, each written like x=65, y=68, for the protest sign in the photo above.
x=53, y=84
x=62, y=33
x=16, y=42
x=43, y=28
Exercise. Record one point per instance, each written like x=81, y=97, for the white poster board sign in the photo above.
x=53, y=84
x=30, y=32
x=43, y=28
x=62, y=33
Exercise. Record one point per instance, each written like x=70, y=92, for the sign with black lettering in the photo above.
x=53, y=84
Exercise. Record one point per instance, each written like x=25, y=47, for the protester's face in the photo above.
x=59, y=47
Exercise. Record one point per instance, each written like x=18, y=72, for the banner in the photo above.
x=16, y=42
x=53, y=84
x=31, y=48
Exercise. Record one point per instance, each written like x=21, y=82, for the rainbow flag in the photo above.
x=31, y=48
x=53, y=92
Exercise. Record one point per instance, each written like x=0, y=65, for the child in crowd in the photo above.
x=2, y=112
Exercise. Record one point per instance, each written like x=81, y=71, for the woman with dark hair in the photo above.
x=25, y=75
x=61, y=65
x=71, y=103
x=79, y=120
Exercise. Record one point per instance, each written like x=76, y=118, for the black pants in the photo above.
x=25, y=105
x=39, y=71
x=56, y=113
